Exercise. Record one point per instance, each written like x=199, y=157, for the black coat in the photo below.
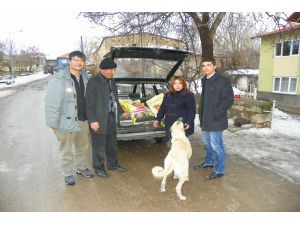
x=176, y=105
x=97, y=101
x=216, y=99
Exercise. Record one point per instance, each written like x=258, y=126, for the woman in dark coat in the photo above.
x=178, y=102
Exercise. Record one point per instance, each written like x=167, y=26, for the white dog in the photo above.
x=177, y=159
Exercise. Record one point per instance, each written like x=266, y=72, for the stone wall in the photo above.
x=250, y=111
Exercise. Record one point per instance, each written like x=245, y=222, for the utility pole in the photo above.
x=81, y=44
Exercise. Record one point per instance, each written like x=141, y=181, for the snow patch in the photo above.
x=4, y=167
x=25, y=79
x=286, y=124
x=6, y=93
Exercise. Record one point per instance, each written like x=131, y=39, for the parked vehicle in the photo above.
x=62, y=62
x=8, y=79
x=50, y=66
x=142, y=74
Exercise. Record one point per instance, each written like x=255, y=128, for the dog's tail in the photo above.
x=159, y=172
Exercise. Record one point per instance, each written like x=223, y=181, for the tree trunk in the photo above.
x=206, y=43
x=207, y=32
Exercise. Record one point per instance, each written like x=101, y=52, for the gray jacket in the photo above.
x=61, y=101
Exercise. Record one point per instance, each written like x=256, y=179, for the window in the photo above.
x=287, y=48
x=295, y=47
x=278, y=49
x=284, y=85
x=287, y=85
x=293, y=85
x=277, y=84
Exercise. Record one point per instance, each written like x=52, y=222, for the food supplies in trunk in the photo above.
x=136, y=110
x=154, y=103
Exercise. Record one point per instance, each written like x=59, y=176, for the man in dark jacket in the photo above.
x=216, y=99
x=102, y=106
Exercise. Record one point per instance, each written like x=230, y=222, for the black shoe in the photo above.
x=70, y=180
x=119, y=169
x=202, y=165
x=101, y=173
x=214, y=175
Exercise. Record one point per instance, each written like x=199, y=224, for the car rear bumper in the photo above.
x=140, y=135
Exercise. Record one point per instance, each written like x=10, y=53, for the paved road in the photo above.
x=31, y=180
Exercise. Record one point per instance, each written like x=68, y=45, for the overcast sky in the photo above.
x=54, y=33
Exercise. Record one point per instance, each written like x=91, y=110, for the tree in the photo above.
x=89, y=46
x=205, y=23
x=233, y=40
x=29, y=58
x=2, y=53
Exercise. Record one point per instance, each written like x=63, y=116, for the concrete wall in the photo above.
x=283, y=100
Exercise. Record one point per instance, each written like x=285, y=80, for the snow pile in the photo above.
x=6, y=93
x=275, y=149
x=286, y=124
x=243, y=72
x=20, y=81
x=25, y=79
x=238, y=91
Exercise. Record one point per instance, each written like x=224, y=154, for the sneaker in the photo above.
x=70, y=180
x=214, y=175
x=101, y=173
x=86, y=173
x=202, y=166
x=118, y=169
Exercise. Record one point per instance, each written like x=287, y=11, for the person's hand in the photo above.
x=155, y=123
x=125, y=116
x=186, y=126
x=54, y=130
x=95, y=126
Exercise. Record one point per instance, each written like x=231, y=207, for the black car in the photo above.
x=142, y=74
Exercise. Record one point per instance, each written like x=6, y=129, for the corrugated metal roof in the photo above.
x=295, y=17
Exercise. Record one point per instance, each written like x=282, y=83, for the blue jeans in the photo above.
x=215, y=153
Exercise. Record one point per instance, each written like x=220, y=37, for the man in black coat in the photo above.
x=102, y=106
x=216, y=99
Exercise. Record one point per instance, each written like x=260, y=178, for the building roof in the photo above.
x=66, y=55
x=295, y=17
x=284, y=29
x=243, y=72
x=145, y=33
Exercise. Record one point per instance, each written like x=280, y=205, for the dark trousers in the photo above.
x=105, y=146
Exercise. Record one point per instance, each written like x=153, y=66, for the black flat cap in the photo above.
x=107, y=63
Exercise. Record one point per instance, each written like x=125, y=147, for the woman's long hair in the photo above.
x=182, y=81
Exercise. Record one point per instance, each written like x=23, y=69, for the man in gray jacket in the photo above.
x=66, y=116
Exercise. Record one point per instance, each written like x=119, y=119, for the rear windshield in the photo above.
x=141, y=90
x=143, y=68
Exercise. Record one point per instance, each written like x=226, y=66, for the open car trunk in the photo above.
x=142, y=79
